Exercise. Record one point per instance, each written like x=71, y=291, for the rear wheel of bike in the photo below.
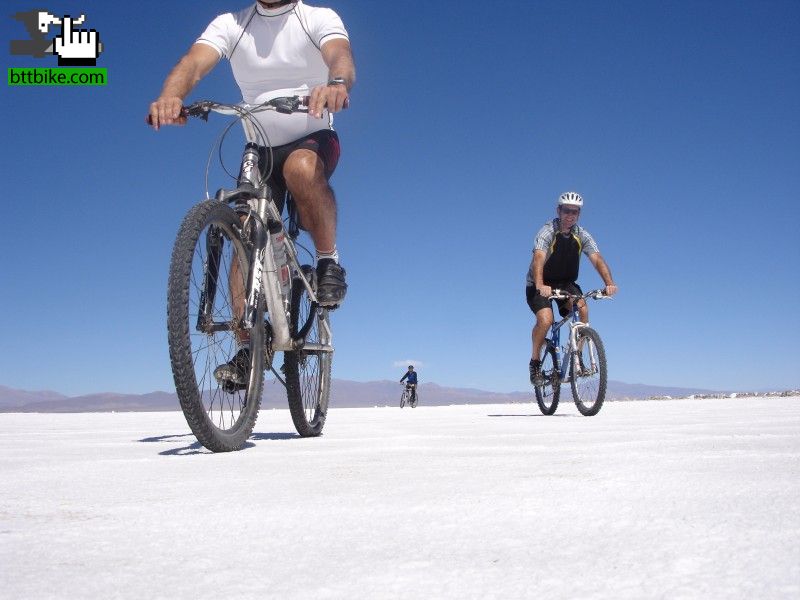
x=548, y=393
x=204, y=329
x=588, y=370
x=308, y=370
x=414, y=399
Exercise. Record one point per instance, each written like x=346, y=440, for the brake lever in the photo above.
x=285, y=105
x=198, y=109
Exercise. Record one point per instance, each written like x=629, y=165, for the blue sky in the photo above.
x=677, y=121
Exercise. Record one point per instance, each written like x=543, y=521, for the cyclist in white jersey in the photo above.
x=283, y=48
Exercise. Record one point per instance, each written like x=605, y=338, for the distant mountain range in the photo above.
x=344, y=394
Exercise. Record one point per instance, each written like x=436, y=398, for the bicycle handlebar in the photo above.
x=283, y=104
x=594, y=294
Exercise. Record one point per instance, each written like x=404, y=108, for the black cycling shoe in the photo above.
x=331, y=287
x=234, y=374
x=535, y=369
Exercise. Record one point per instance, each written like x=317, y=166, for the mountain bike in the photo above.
x=581, y=363
x=409, y=396
x=237, y=290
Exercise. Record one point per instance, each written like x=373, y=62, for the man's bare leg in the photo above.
x=304, y=173
x=305, y=177
x=544, y=319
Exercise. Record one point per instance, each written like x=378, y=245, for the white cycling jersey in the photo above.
x=277, y=53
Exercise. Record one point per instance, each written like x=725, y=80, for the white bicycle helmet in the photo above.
x=570, y=198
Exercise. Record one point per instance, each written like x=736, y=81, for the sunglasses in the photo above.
x=570, y=211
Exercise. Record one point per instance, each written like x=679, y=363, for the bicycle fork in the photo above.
x=258, y=280
x=205, y=319
x=254, y=277
x=569, y=355
x=574, y=355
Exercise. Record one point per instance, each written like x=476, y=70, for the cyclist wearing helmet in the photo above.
x=411, y=383
x=556, y=257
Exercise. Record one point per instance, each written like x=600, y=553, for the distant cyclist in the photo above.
x=411, y=384
x=556, y=257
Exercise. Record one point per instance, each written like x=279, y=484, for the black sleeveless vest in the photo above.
x=564, y=259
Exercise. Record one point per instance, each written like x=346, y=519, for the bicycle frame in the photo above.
x=238, y=294
x=264, y=277
x=564, y=359
x=555, y=340
x=409, y=392
x=260, y=212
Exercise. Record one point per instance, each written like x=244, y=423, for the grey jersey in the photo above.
x=546, y=238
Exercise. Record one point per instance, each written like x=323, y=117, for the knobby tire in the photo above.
x=588, y=373
x=207, y=246
x=308, y=373
x=547, y=395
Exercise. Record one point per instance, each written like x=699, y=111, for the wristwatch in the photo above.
x=337, y=81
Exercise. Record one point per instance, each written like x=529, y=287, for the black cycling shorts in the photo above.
x=325, y=143
x=537, y=302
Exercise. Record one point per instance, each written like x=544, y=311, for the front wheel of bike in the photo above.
x=308, y=369
x=549, y=390
x=205, y=304
x=588, y=370
x=403, y=398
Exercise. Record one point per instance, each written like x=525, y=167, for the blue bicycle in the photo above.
x=581, y=363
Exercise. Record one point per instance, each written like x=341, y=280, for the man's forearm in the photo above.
x=341, y=65
x=181, y=80
x=604, y=271
x=538, y=269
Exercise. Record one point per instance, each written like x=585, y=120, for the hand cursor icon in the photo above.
x=77, y=47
